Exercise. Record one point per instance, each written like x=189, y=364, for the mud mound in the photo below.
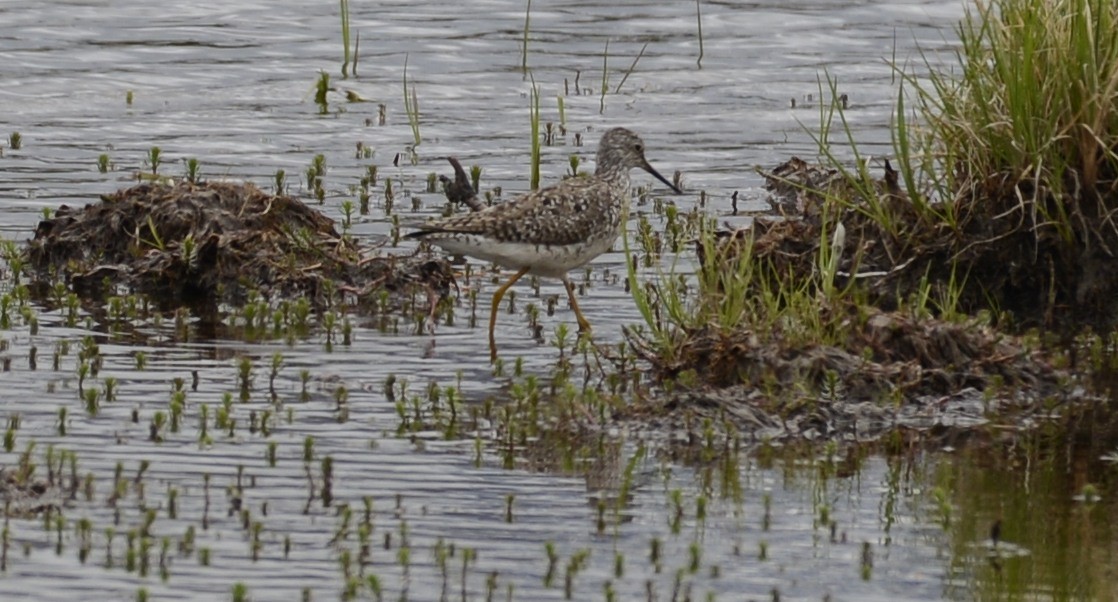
x=896, y=370
x=210, y=243
x=901, y=348
x=891, y=357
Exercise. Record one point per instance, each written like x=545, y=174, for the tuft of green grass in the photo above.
x=1031, y=100
x=193, y=167
x=735, y=291
x=155, y=158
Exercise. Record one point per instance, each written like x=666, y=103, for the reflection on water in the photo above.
x=306, y=486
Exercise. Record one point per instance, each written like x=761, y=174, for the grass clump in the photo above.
x=894, y=289
x=1006, y=174
x=1014, y=152
x=789, y=341
x=1035, y=102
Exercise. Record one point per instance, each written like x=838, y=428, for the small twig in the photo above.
x=617, y=90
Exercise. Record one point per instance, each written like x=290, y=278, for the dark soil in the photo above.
x=205, y=244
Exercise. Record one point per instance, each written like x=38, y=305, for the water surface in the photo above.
x=231, y=84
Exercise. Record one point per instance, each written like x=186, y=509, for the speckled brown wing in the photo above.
x=557, y=215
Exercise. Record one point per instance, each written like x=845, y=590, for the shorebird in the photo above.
x=553, y=230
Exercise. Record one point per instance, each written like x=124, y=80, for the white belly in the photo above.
x=552, y=261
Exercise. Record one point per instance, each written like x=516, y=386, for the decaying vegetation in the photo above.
x=205, y=244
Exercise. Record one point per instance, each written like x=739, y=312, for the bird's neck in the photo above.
x=613, y=175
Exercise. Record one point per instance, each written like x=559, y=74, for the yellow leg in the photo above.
x=496, y=305
x=583, y=324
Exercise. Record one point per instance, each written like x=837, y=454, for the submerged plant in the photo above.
x=321, y=88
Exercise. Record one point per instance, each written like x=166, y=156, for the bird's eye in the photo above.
x=639, y=148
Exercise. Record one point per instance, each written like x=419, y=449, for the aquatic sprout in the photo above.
x=61, y=427
x=676, y=520
x=601, y=522
x=257, y=544
x=574, y=566
x=411, y=106
x=193, y=167
x=321, y=88
x=534, y=118
x=375, y=587
x=329, y=321
x=92, y=399
x=83, y=372
x=695, y=553
x=341, y=409
x=245, y=376
x=178, y=403
x=155, y=159
x=867, y=561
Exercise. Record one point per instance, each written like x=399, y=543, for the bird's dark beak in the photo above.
x=657, y=175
